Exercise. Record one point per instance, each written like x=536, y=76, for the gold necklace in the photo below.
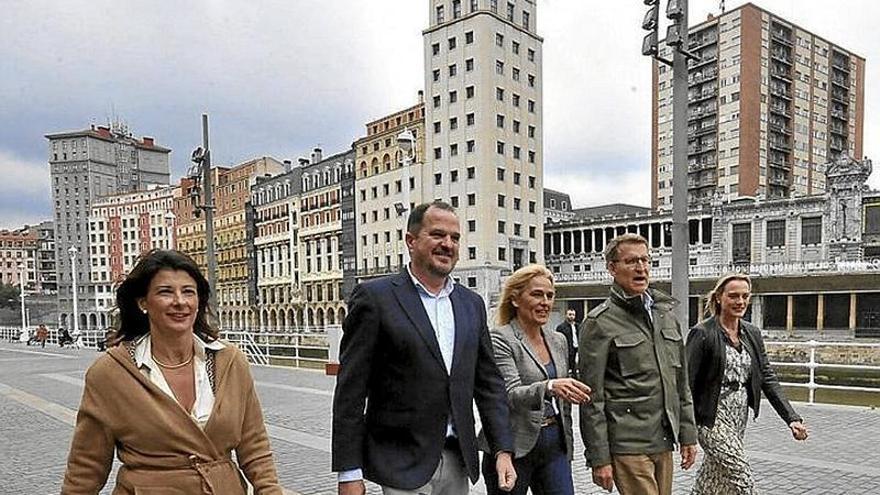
x=173, y=366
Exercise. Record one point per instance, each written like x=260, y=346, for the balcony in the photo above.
x=780, y=144
x=702, y=148
x=698, y=96
x=782, y=36
x=779, y=162
x=780, y=109
x=840, y=96
x=702, y=76
x=705, y=59
x=837, y=144
x=840, y=63
x=779, y=126
x=841, y=81
x=779, y=72
x=701, y=164
x=707, y=180
x=837, y=128
x=701, y=112
x=778, y=180
x=781, y=56
x=701, y=41
x=707, y=127
x=780, y=92
x=839, y=113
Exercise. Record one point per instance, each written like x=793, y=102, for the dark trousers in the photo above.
x=545, y=469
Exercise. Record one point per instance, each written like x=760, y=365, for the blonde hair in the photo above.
x=514, y=286
x=713, y=301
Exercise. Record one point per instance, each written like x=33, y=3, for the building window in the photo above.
x=775, y=233
x=531, y=131
x=471, y=172
x=471, y=146
x=502, y=227
x=501, y=200
x=472, y=199
x=516, y=127
x=515, y=100
x=531, y=80
x=453, y=70
x=525, y=20
x=472, y=225
x=499, y=94
x=469, y=37
x=493, y=6
x=453, y=201
x=469, y=65
x=499, y=121
x=502, y=254
x=511, y=10
x=531, y=55
x=453, y=176
x=531, y=156
x=453, y=42
x=516, y=203
x=811, y=230
x=515, y=74
x=742, y=243
x=499, y=173
x=438, y=153
x=436, y=127
x=499, y=39
x=439, y=14
x=499, y=67
x=499, y=147
x=516, y=152
x=435, y=49
x=470, y=119
x=472, y=253
x=453, y=96
x=515, y=47
x=531, y=182
x=516, y=178
x=469, y=92
x=436, y=74
x=531, y=206
x=456, y=9
x=453, y=123
x=436, y=105
x=532, y=230
x=517, y=229
x=531, y=106
x=453, y=149
x=438, y=179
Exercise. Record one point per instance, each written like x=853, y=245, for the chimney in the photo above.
x=421, y=96
x=303, y=161
x=316, y=155
x=148, y=141
x=287, y=166
x=104, y=131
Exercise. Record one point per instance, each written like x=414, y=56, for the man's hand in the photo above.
x=356, y=487
x=506, y=472
x=688, y=456
x=604, y=476
x=799, y=430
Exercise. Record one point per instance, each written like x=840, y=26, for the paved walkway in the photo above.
x=40, y=391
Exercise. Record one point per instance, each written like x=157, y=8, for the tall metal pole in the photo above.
x=23, y=336
x=72, y=252
x=680, y=240
x=209, y=217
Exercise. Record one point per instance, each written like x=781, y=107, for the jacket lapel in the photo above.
x=521, y=336
x=408, y=298
x=463, y=326
x=559, y=354
x=123, y=358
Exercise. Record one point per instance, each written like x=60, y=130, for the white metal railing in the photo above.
x=813, y=364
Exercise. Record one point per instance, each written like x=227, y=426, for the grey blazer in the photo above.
x=526, y=380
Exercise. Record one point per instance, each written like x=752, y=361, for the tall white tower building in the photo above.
x=483, y=132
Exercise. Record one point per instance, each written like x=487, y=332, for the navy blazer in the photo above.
x=393, y=394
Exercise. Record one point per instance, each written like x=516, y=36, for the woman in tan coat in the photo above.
x=170, y=398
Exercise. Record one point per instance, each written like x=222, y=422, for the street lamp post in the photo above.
x=201, y=172
x=406, y=142
x=23, y=336
x=72, y=251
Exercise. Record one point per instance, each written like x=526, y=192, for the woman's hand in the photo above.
x=798, y=430
x=570, y=390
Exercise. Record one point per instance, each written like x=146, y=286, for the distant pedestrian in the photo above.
x=42, y=335
x=728, y=368
x=64, y=337
x=569, y=328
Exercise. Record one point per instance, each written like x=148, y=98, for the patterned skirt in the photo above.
x=725, y=469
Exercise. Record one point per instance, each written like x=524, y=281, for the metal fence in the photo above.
x=316, y=349
x=813, y=364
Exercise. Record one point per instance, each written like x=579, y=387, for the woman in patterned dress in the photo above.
x=728, y=369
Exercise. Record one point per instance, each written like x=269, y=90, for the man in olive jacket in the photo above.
x=632, y=355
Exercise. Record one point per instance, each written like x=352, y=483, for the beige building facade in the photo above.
x=483, y=132
x=769, y=105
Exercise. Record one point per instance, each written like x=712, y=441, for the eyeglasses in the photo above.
x=633, y=262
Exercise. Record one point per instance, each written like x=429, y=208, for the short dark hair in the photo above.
x=131, y=322
x=414, y=222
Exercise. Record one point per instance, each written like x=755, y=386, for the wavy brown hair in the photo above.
x=131, y=322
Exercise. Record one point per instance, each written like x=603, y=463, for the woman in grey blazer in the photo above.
x=534, y=363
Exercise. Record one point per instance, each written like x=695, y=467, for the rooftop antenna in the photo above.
x=722, y=6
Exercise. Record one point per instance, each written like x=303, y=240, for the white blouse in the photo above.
x=204, y=402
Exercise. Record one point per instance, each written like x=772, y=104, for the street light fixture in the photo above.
x=406, y=143
x=200, y=172
x=23, y=336
x=72, y=251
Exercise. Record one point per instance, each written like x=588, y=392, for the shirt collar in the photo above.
x=143, y=355
x=648, y=301
x=447, y=289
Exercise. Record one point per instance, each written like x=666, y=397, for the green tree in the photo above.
x=9, y=296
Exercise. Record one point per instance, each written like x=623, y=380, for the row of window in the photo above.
x=452, y=44
x=440, y=12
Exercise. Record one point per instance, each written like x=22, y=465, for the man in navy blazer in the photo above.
x=415, y=355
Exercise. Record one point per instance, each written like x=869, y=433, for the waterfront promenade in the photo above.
x=40, y=391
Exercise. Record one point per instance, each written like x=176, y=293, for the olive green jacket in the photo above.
x=636, y=366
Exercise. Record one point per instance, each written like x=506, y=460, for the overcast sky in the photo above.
x=280, y=77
